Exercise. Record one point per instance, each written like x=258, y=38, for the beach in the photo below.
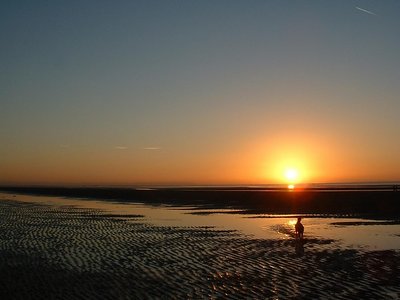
x=200, y=150
x=51, y=248
x=367, y=201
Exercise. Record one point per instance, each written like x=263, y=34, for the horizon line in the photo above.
x=201, y=185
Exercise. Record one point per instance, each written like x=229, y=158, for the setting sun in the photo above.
x=291, y=174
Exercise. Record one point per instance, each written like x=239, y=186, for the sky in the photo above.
x=199, y=92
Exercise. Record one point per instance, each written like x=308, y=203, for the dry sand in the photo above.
x=49, y=252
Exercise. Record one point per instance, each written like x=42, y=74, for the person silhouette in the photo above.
x=299, y=229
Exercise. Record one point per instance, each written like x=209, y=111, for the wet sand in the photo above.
x=66, y=252
x=382, y=203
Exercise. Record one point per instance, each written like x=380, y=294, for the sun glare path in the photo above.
x=291, y=186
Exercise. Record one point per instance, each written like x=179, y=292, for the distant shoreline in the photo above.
x=356, y=186
x=367, y=202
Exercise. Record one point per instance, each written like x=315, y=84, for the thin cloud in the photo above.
x=121, y=147
x=152, y=148
x=366, y=11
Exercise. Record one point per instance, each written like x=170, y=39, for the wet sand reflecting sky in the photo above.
x=368, y=237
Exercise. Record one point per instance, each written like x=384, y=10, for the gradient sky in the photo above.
x=199, y=92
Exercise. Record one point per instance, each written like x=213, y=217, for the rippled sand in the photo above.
x=52, y=252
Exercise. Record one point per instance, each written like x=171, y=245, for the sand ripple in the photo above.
x=73, y=253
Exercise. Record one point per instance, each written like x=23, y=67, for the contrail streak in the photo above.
x=366, y=11
x=121, y=147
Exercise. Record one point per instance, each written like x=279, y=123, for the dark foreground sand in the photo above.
x=50, y=252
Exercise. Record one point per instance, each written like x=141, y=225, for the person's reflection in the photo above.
x=299, y=247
